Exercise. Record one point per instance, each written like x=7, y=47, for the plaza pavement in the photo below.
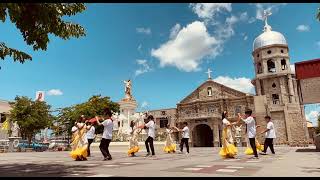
x=288, y=161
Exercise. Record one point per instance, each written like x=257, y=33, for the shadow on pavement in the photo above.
x=307, y=150
x=42, y=170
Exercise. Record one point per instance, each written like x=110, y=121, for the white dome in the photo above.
x=269, y=38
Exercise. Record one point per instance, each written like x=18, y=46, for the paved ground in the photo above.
x=200, y=162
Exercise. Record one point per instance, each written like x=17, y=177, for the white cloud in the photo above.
x=251, y=20
x=271, y=7
x=144, y=104
x=318, y=44
x=144, y=67
x=143, y=30
x=313, y=117
x=244, y=16
x=191, y=44
x=139, y=47
x=293, y=68
x=54, y=92
x=245, y=37
x=303, y=28
x=209, y=10
x=174, y=31
x=241, y=84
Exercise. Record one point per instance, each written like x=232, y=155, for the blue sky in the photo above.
x=164, y=48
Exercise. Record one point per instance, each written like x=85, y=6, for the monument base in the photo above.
x=13, y=143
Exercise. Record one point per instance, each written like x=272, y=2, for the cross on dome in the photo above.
x=209, y=73
x=267, y=27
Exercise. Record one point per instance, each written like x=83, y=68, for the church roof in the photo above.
x=221, y=86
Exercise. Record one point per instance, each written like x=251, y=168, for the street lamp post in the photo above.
x=68, y=136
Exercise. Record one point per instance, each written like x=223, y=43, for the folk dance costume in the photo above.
x=249, y=150
x=79, y=143
x=228, y=149
x=170, y=146
x=133, y=142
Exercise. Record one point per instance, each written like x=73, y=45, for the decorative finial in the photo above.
x=209, y=73
x=267, y=27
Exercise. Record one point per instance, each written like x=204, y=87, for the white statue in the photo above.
x=15, y=130
x=238, y=131
x=127, y=90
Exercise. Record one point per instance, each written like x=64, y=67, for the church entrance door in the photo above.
x=202, y=136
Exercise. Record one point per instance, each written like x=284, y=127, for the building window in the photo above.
x=258, y=55
x=275, y=98
x=164, y=122
x=271, y=66
x=259, y=68
x=283, y=64
x=282, y=51
x=269, y=52
x=163, y=113
x=209, y=89
x=274, y=85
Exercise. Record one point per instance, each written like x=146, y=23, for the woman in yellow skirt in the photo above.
x=170, y=146
x=228, y=149
x=80, y=142
x=133, y=142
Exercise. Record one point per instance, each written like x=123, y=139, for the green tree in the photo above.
x=318, y=14
x=36, y=21
x=94, y=106
x=31, y=116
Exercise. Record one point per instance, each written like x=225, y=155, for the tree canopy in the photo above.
x=91, y=108
x=31, y=116
x=36, y=21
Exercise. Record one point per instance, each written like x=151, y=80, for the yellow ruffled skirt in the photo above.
x=228, y=152
x=249, y=150
x=170, y=149
x=79, y=153
x=134, y=149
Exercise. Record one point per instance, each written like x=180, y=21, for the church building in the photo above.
x=276, y=95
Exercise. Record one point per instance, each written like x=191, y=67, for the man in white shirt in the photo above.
x=90, y=136
x=251, y=130
x=185, y=137
x=270, y=134
x=150, y=125
x=107, y=134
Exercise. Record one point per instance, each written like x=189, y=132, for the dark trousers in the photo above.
x=148, y=142
x=186, y=142
x=89, y=143
x=253, y=146
x=104, y=148
x=268, y=142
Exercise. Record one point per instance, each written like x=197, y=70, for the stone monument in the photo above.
x=238, y=135
x=128, y=107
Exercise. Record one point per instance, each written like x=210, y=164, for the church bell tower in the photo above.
x=276, y=87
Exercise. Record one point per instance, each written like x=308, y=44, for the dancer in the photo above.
x=251, y=130
x=133, y=142
x=228, y=149
x=150, y=125
x=185, y=137
x=107, y=134
x=270, y=134
x=90, y=135
x=170, y=146
x=80, y=142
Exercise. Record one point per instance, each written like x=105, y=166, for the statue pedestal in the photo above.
x=12, y=141
x=128, y=109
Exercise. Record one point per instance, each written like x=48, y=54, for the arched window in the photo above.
x=283, y=64
x=275, y=98
x=271, y=66
x=259, y=68
x=274, y=85
x=269, y=52
x=209, y=90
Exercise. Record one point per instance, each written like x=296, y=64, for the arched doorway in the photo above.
x=202, y=136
